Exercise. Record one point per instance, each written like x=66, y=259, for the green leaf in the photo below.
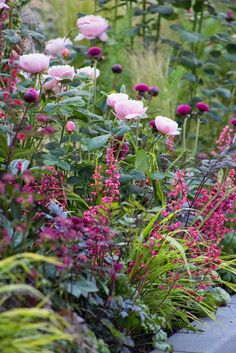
x=95, y=142
x=184, y=4
x=141, y=161
x=223, y=92
x=81, y=287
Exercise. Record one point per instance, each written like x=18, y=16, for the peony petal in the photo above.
x=79, y=37
x=132, y=116
x=103, y=37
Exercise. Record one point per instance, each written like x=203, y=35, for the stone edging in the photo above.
x=218, y=336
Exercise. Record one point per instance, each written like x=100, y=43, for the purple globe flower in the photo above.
x=154, y=91
x=233, y=121
x=183, y=109
x=229, y=16
x=141, y=87
x=203, y=107
x=95, y=52
x=31, y=96
x=117, y=69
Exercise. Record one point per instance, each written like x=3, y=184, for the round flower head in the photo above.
x=141, y=87
x=42, y=118
x=3, y=5
x=154, y=91
x=70, y=127
x=152, y=124
x=183, y=109
x=229, y=16
x=91, y=27
x=62, y=72
x=113, y=98
x=34, y=63
x=56, y=46
x=31, y=96
x=116, y=69
x=89, y=71
x=203, y=107
x=95, y=52
x=129, y=109
x=166, y=126
x=233, y=121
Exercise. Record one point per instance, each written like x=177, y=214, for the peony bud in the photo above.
x=31, y=96
x=70, y=126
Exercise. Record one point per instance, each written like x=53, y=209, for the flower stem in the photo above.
x=196, y=137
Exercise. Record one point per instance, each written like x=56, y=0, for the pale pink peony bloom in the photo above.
x=51, y=85
x=129, y=109
x=91, y=27
x=89, y=71
x=70, y=126
x=114, y=98
x=62, y=72
x=3, y=5
x=56, y=46
x=34, y=63
x=166, y=126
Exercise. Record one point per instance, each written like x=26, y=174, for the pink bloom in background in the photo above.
x=70, y=126
x=141, y=87
x=56, y=46
x=183, y=109
x=51, y=85
x=113, y=98
x=89, y=71
x=3, y=5
x=91, y=27
x=34, y=63
x=62, y=72
x=129, y=109
x=203, y=107
x=166, y=126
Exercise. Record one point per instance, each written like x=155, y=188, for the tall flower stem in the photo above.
x=183, y=147
x=197, y=136
x=95, y=85
x=137, y=133
x=13, y=142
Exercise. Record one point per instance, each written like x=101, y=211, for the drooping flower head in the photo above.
x=62, y=72
x=91, y=27
x=89, y=71
x=129, y=109
x=113, y=98
x=34, y=63
x=154, y=91
x=56, y=46
x=116, y=69
x=203, y=107
x=166, y=126
x=183, y=109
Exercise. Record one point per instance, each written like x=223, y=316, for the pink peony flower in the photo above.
x=3, y=5
x=34, y=63
x=89, y=71
x=113, y=98
x=203, y=107
x=62, y=72
x=129, y=109
x=56, y=46
x=92, y=27
x=166, y=126
x=51, y=85
x=70, y=126
x=183, y=109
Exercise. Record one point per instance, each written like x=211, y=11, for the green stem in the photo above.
x=158, y=27
x=184, y=134
x=95, y=85
x=201, y=19
x=196, y=137
x=195, y=22
x=137, y=133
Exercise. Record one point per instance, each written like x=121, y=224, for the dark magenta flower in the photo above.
x=183, y=109
x=42, y=118
x=203, y=107
x=31, y=96
x=141, y=87
x=95, y=52
x=154, y=91
x=229, y=16
x=152, y=124
x=117, y=69
x=233, y=121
